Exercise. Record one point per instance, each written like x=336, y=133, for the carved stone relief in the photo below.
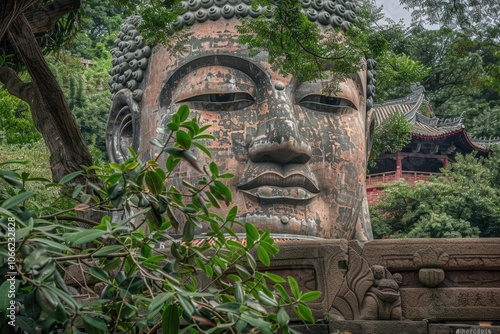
x=367, y=293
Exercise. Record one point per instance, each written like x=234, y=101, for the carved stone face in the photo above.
x=298, y=156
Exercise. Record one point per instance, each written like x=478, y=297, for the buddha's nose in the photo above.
x=278, y=136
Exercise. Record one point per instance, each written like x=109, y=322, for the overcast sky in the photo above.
x=394, y=10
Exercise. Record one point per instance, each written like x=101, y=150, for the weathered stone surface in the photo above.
x=311, y=329
x=316, y=265
x=431, y=277
x=447, y=254
x=443, y=279
x=378, y=327
x=75, y=276
x=451, y=303
x=368, y=293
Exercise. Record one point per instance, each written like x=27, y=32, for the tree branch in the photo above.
x=15, y=86
x=9, y=11
x=44, y=19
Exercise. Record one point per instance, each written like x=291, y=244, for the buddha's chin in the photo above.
x=281, y=224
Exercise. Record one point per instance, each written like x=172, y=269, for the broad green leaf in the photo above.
x=157, y=303
x=187, y=304
x=282, y=292
x=11, y=178
x=270, y=248
x=305, y=313
x=204, y=136
x=83, y=237
x=175, y=151
x=171, y=319
x=32, y=310
x=294, y=287
x=4, y=291
x=262, y=325
x=114, y=178
x=275, y=278
x=64, y=296
x=132, y=165
x=183, y=113
x=48, y=302
x=230, y=307
x=198, y=201
x=17, y=199
x=234, y=277
x=53, y=244
x=242, y=271
x=251, y=261
x=251, y=234
x=282, y=317
x=26, y=324
x=99, y=274
x=239, y=293
x=155, y=142
x=106, y=250
x=203, y=149
x=161, y=173
x=171, y=162
x=176, y=119
x=263, y=256
x=266, y=300
x=173, y=126
x=183, y=139
x=112, y=264
x=116, y=194
x=241, y=325
x=214, y=169
x=212, y=200
x=77, y=191
x=310, y=296
x=188, y=231
x=224, y=190
x=94, y=325
x=70, y=177
x=153, y=182
x=232, y=213
x=14, y=162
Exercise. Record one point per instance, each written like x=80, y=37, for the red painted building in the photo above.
x=435, y=142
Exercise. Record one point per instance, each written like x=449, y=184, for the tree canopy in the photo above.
x=462, y=202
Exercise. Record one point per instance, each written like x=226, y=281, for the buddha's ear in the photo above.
x=369, y=131
x=122, y=130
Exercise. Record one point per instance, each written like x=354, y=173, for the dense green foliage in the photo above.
x=459, y=72
x=389, y=137
x=214, y=283
x=87, y=93
x=16, y=124
x=99, y=26
x=462, y=202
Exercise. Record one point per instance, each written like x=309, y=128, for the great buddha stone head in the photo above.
x=299, y=156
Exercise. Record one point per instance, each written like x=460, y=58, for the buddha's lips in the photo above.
x=273, y=186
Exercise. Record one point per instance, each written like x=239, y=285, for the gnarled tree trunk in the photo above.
x=49, y=107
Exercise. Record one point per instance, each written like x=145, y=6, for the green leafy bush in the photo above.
x=209, y=285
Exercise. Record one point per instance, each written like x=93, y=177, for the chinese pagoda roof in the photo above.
x=427, y=127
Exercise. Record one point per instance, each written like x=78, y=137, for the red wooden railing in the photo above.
x=388, y=177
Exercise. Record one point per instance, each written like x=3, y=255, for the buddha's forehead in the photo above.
x=334, y=13
x=213, y=26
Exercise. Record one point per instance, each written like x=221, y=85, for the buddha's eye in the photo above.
x=220, y=101
x=330, y=104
